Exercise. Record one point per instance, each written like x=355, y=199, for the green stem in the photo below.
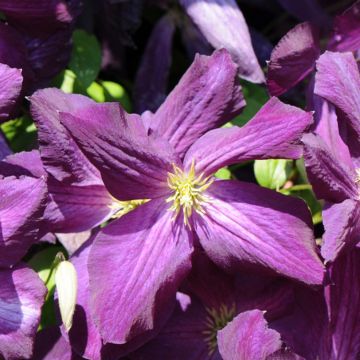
x=299, y=187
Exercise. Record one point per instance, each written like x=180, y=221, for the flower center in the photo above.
x=215, y=321
x=187, y=192
x=123, y=207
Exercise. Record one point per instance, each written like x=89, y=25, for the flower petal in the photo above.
x=21, y=207
x=135, y=266
x=330, y=179
x=83, y=336
x=223, y=25
x=61, y=156
x=248, y=337
x=247, y=224
x=346, y=36
x=22, y=294
x=274, y=132
x=50, y=345
x=11, y=83
x=293, y=58
x=341, y=222
x=206, y=97
x=338, y=81
x=133, y=165
x=152, y=76
x=327, y=128
x=343, y=302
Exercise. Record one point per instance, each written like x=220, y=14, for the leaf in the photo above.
x=20, y=133
x=224, y=174
x=272, y=173
x=255, y=96
x=85, y=59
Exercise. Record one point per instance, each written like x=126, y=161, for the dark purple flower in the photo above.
x=332, y=156
x=294, y=56
x=164, y=160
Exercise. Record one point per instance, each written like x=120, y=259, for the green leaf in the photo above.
x=255, y=96
x=224, y=174
x=272, y=173
x=42, y=263
x=85, y=59
x=20, y=133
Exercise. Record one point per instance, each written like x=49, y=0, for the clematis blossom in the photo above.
x=331, y=157
x=167, y=160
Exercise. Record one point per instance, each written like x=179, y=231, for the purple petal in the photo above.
x=343, y=301
x=248, y=337
x=21, y=208
x=341, y=222
x=338, y=81
x=293, y=58
x=327, y=128
x=144, y=244
x=346, y=35
x=206, y=97
x=11, y=83
x=331, y=180
x=223, y=25
x=61, y=156
x=22, y=294
x=50, y=345
x=77, y=208
x=274, y=132
x=4, y=147
x=244, y=223
x=133, y=165
x=152, y=76
x=182, y=337
x=84, y=337
x=73, y=241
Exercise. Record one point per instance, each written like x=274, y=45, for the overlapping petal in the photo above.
x=22, y=294
x=61, y=156
x=133, y=165
x=293, y=58
x=248, y=224
x=152, y=75
x=135, y=266
x=206, y=97
x=341, y=222
x=338, y=80
x=331, y=180
x=343, y=301
x=248, y=337
x=274, y=132
x=231, y=32
x=21, y=208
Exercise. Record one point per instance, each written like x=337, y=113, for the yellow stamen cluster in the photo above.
x=215, y=321
x=357, y=178
x=124, y=207
x=187, y=192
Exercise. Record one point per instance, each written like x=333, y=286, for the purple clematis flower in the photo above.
x=167, y=160
x=331, y=157
x=210, y=300
x=295, y=55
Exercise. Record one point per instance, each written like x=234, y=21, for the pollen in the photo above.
x=187, y=192
x=215, y=321
x=124, y=207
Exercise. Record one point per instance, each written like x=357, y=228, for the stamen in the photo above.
x=215, y=321
x=123, y=207
x=187, y=192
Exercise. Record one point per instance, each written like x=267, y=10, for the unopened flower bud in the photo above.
x=66, y=284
